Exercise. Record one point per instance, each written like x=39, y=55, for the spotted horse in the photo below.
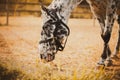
x=55, y=31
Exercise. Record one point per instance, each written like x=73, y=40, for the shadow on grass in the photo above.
x=6, y=74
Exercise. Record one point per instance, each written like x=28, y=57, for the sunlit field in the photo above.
x=19, y=57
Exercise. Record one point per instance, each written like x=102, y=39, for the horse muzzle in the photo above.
x=47, y=58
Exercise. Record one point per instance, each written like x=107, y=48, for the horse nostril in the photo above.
x=42, y=56
x=48, y=58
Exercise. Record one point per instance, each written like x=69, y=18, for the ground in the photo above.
x=19, y=47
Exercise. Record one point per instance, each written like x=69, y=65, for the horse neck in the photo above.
x=65, y=6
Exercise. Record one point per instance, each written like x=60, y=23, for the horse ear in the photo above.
x=44, y=8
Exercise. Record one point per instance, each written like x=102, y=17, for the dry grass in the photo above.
x=19, y=56
x=47, y=72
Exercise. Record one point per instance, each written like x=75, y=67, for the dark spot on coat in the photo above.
x=110, y=15
x=118, y=19
x=107, y=26
x=113, y=6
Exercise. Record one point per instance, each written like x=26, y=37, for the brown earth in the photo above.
x=19, y=41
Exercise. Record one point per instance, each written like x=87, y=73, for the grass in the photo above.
x=21, y=64
x=8, y=74
x=47, y=72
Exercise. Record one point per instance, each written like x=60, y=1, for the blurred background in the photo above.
x=20, y=27
x=25, y=8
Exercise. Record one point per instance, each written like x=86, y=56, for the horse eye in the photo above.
x=50, y=12
x=44, y=27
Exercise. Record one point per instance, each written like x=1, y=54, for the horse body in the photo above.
x=104, y=11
